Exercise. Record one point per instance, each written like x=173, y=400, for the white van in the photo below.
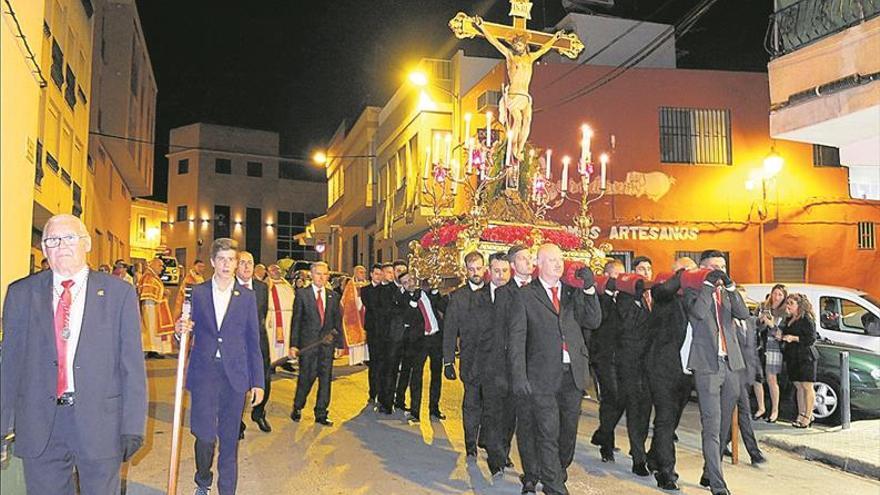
x=847, y=316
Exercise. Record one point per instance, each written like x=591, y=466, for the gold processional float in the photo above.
x=508, y=182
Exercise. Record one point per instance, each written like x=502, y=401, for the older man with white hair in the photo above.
x=548, y=356
x=73, y=335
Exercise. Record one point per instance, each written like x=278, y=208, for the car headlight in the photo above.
x=875, y=374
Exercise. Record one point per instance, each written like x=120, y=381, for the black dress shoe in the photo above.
x=607, y=454
x=263, y=424
x=241, y=429
x=529, y=486
x=758, y=459
x=640, y=469
x=413, y=420
x=296, y=415
x=383, y=410
x=723, y=491
x=704, y=482
x=667, y=484
x=438, y=415
x=324, y=421
x=401, y=406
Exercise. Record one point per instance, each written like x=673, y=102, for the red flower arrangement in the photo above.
x=507, y=234
x=446, y=234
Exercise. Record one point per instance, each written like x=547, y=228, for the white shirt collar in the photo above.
x=245, y=283
x=475, y=287
x=520, y=281
x=315, y=289
x=216, y=285
x=547, y=286
x=78, y=277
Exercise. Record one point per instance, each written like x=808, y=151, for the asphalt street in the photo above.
x=368, y=453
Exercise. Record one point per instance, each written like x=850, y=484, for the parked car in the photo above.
x=170, y=270
x=864, y=376
x=843, y=315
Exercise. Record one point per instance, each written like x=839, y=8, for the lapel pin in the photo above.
x=101, y=292
x=235, y=293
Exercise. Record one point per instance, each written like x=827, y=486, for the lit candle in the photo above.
x=587, y=134
x=603, y=159
x=549, y=155
x=565, y=161
x=470, y=156
x=427, y=171
x=436, y=147
x=454, y=176
x=488, y=129
x=467, y=140
x=448, y=148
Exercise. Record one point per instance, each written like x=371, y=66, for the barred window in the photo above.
x=695, y=135
x=866, y=235
x=826, y=156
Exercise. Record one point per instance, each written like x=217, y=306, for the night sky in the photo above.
x=300, y=68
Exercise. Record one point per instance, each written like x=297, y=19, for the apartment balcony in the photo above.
x=825, y=76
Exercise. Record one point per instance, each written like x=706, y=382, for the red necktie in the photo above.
x=649, y=301
x=425, y=317
x=555, y=292
x=718, y=319
x=62, y=321
x=320, y=303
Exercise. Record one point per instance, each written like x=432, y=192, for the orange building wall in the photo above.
x=809, y=212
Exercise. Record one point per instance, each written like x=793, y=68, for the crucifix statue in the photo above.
x=515, y=107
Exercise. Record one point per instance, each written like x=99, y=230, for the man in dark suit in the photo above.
x=499, y=419
x=245, y=276
x=715, y=358
x=72, y=377
x=225, y=364
x=374, y=315
x=670, y=386
x=549, y=359
x=464, y=325
x=421, y=312
x=634, y=308
x=386, y=326
x=316, y=330
x=400, y=366
x=603, y=360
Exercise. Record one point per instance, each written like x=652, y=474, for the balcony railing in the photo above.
x=806, y=21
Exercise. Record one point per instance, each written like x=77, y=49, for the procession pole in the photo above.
x=177, y=425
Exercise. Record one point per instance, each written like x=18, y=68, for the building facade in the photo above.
x=231, y=182
x=122, y=128
x=825, y=83
x=22, y=82
x=62, y=174
x=687, y=172
x=149, y=226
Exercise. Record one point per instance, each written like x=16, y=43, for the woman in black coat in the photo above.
x=799, y=354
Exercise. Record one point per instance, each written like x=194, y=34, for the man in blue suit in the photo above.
x=72, y=377
x=225, y=363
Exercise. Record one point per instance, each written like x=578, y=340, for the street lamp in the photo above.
x=772, y=165
x=322, y=158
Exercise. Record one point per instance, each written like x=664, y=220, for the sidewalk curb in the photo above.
x=848, y=464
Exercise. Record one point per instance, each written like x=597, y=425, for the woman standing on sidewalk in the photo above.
x=799, y=354
x=773, y=311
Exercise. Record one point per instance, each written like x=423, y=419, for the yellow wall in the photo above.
x=145, y=243
x=63, y=130
x=19, y=98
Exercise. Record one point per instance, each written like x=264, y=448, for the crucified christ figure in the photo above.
x=515, y=107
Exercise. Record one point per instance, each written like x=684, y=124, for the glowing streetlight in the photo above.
x=773, y=164
x=418, y=78
x=320, y=158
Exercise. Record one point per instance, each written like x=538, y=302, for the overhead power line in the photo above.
x=679, y=29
